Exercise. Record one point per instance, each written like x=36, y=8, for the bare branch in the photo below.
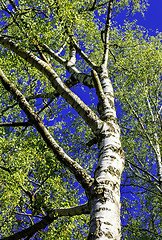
x=143, y=229
x=141, y=125
x=140, y=186
x=16, y=124
x=143, y=170
x=140, y=176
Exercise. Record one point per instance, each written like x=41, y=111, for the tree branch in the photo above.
x=72, y=211
x=53, y=214
x=71, y=62
x=76, y=75
x=141, y=125
x=16, y=124
x=81, y=175
x=99, y=91
x=81, y=108
x=106, y=34
x=30, y=231
x=143, y=229
x=62, y=47
x=136, y=185
x=143, y=170
x=13, y=5
x=83, y=54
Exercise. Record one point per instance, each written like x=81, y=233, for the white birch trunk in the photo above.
x=105, y=196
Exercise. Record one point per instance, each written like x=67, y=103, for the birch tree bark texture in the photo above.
x=105, y=192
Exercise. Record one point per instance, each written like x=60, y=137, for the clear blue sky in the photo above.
x=153, y=16
x=152, y=19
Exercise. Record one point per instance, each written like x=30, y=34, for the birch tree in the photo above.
x=64, y=64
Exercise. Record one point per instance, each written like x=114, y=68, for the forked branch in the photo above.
x=81, y=108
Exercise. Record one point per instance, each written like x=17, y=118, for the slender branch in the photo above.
x=6, y=9
x=157, y=147
x=143, y=229
x=28, y=215
x=141, y=124
x=140, y=176
x=84, y=78
x=106, y=33
x=112, y=55
x=35, y=96
x=41, y=54
x=99, y=90
x=16, y=124
x=47, y=105
x=83, y=54
x=38, y=184
x=54, y=55
x=143, y=170
x=13, y=5
x=136, y=185
x=34, y=194
x=93, y=7
x=62, y=47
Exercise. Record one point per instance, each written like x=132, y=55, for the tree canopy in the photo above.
x=63, y=64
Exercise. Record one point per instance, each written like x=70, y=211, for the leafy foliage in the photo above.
x=31, y=176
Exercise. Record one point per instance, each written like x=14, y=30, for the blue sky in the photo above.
x=153, y=16
x=152, y=19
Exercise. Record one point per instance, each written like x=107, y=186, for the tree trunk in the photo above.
x=105, y=194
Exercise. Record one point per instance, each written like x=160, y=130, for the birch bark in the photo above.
x=105, y=194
